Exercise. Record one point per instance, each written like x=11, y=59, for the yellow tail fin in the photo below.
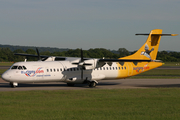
x=150, y=48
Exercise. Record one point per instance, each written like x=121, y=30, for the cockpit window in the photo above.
x=24, y=68
x=14, y=67
x=20, y=68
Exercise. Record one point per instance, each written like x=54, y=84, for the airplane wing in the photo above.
x=44, y=57
x=29, y=55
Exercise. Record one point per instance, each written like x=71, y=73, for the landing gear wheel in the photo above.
x=92, y=84
x=70, y=84
x=13, y=85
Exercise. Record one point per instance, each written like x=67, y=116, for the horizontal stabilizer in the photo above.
x=158, y=34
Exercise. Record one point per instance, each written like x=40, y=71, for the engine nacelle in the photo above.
x=73, y=79
x=93, y=63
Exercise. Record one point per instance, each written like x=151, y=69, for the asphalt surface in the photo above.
x=103, y=84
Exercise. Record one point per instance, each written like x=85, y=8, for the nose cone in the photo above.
x=5, y=76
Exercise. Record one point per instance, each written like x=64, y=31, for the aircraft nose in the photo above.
x=5, y=76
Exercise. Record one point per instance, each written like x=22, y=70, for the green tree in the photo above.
x=17, y=57
x=123, y=52
x=33, y=52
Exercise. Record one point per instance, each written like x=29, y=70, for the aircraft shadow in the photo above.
x=6, y=85
x=107, y=83
x=33, y=85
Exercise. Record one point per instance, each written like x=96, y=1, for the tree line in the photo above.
x=6, y=55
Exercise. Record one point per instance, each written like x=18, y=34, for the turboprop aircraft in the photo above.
x=81, y=70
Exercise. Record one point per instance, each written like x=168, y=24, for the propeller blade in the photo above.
x=81, y=73
x=82, y=60
x=39, y=57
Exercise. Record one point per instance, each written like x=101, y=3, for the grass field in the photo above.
x=6, y=63
x=93, y=104
x=177, y=64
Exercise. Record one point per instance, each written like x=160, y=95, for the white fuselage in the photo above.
x=65, y=71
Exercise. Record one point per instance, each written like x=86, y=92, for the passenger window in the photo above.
x=47, y=70
x=122, y=68
x=58, y=70
x=107, y=68
x=104, y=68
x=119, y=68
x=54, y=70
x=74, y=69
x=51, y=70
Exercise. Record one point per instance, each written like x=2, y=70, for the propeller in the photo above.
x=81, y=64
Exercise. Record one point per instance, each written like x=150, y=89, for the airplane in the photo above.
x=72, y=70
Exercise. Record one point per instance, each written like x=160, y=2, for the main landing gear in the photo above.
x=92, y=84
x=13, y=84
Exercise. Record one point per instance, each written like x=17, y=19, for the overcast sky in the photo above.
x=110, y=24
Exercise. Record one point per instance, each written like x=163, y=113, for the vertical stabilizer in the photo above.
x=150, y=48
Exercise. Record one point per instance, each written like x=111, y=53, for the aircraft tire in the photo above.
x=70, y=84
x=92, y=84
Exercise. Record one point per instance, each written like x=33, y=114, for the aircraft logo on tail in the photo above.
x=147, y=51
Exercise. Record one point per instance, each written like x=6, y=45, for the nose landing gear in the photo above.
x=13, y=84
